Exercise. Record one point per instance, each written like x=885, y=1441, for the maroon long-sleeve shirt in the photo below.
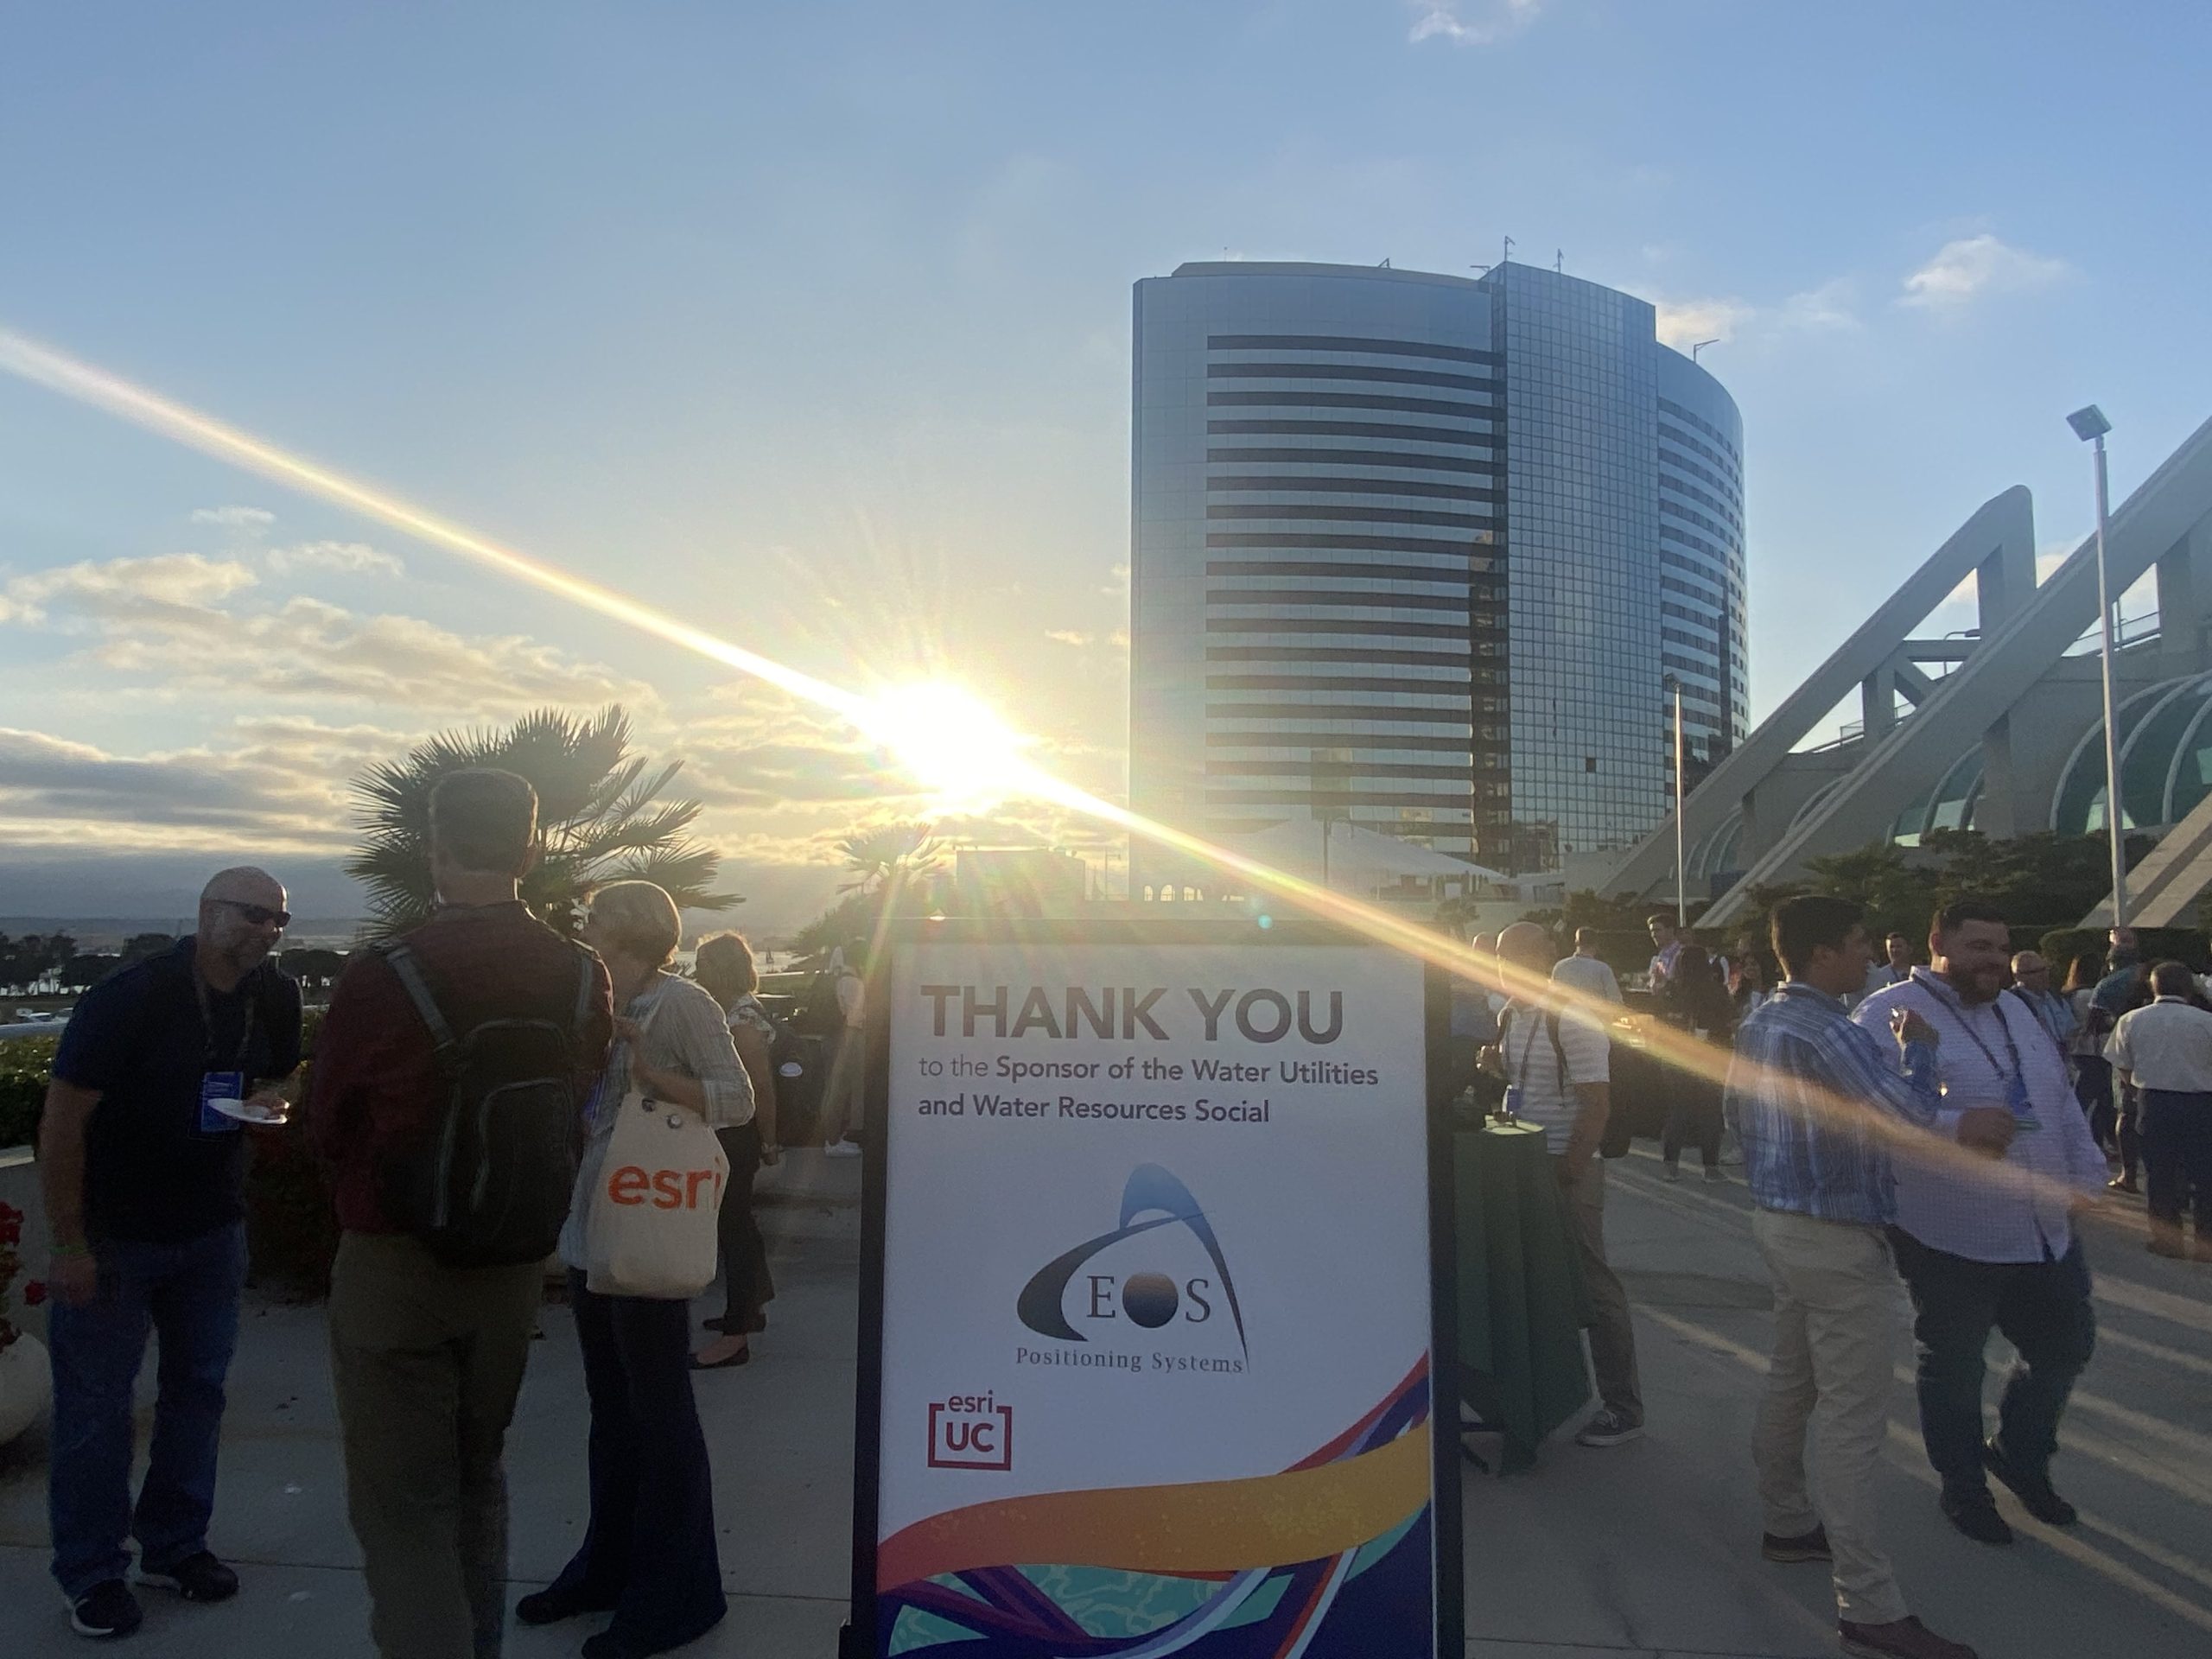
x=374, y=1091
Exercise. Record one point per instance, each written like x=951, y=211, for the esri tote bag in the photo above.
x=652, y=1229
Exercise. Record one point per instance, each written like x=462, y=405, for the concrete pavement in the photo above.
x=1647, y=1548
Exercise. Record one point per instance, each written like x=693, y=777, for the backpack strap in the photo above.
x=587, y=982
x=409, y=971
x=1558, y=1050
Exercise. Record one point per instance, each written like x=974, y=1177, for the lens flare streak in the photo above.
x=945, y=738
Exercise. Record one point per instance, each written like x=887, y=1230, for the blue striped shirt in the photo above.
x=1794, y=1054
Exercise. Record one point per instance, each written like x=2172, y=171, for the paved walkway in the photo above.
x=1648, y=1548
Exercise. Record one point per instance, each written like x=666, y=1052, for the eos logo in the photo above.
x=970, y=1430
x=1152, y=1199
x=665, y=1189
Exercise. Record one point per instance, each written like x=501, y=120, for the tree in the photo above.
x=140, y=946
x=601, y=819
x=893, y=854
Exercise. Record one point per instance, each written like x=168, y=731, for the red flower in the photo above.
x=11, y=1230
x=34, y=1292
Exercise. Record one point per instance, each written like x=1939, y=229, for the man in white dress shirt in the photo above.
x=2164, y=1052
x=1992, y=1245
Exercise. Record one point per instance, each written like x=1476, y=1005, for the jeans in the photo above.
x=746, y=1286
x=1613, y=1332
x=649, y=1553
x=427, y=1361
x=1693, y=1119
x=2043, y=1309
x=187, y=1294
x=2176, y=1131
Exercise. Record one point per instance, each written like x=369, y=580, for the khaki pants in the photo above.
x=1837, y=1313
x=427, y=1361
x=1613, y=1333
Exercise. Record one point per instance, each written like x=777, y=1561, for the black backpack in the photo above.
x=491, y=1186
x=822, y=1014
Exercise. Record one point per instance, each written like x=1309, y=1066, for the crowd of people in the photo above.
x=1935, y=1128
x=465, y=1089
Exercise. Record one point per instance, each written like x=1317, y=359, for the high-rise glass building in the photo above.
x=1426, y=553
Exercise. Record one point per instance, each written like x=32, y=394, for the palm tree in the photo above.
x=891, y=855
x=600, y=818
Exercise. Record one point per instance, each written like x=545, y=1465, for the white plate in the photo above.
x=247, y=1111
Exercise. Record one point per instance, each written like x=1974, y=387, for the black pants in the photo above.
x=2043, y=1309
x=650, y=1552
x=747, y=1288
x=1693, y=1119
x=2178, y=1160
x=2092, y=1088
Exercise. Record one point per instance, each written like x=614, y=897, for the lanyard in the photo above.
x=207, y=1026
x=2019, y=1074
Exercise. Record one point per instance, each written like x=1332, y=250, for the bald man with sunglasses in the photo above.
x=142, y=1153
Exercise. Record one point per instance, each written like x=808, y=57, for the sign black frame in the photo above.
x=858, y=1637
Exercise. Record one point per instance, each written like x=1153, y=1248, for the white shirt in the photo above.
x=1545, y=1077
x=2011, y=1209
x=2167, y=1046
x=852, y=999
x=1588, y=976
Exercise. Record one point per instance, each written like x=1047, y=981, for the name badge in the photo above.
x=2016, y=1101
x=1512, y=1106
x=220, y=1085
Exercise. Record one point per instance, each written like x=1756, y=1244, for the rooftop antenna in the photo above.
x=1559, y=260
x=1482, y=267
x=1507, y=256
x=1385, y=265
x=1701, y=344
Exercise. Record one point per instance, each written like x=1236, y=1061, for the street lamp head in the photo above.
x=2088, y=423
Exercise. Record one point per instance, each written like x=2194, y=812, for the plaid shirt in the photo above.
x=1792, y=1051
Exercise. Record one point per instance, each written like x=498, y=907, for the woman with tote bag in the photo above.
x=649, y=1554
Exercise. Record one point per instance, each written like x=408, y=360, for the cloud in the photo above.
x=1831, y=307
x=172, y=620
x=116, y=591
x=1967, y=267
x=245, y=519
x=1472, y=22
x=1682, y=323
x=345, y=557
x=1067, y=636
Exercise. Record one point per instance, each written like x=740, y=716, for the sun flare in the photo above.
x=950, y=742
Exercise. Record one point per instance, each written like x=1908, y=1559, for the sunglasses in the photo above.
x=259, y=915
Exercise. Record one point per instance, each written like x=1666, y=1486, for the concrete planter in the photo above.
x=25, y=1385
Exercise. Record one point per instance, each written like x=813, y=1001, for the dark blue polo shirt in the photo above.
x=139, y=1037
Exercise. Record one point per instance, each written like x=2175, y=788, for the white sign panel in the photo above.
x=1156, y=1303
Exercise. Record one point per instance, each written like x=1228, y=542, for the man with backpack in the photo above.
x=446, y=1095
x=1557, y=1063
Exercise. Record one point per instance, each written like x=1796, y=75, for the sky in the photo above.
x=811, y=324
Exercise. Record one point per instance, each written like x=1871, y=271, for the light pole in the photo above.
x=2090, y=425
x=1682, y=859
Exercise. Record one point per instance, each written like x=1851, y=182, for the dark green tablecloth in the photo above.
x=1522, y=1304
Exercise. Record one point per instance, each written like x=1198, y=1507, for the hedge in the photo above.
x=291, y=1230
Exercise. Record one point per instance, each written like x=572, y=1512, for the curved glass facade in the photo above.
x=1422, y=551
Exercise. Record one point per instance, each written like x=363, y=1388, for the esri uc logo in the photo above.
x=1147, y=1298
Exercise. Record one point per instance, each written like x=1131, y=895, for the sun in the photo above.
x=952, y=743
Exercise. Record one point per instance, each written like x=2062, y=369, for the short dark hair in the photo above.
x=2173, y=979
x=1585, y=936
x=1963, y=909
x=1659, y=917
x=1810, y=920
x=484, y=819
x=1898, y=933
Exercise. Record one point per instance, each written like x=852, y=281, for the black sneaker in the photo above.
x=196, y=1578
x=2034, y=1491
x=1975, y=1515
x=105, y=1610
x=1801, y=1546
